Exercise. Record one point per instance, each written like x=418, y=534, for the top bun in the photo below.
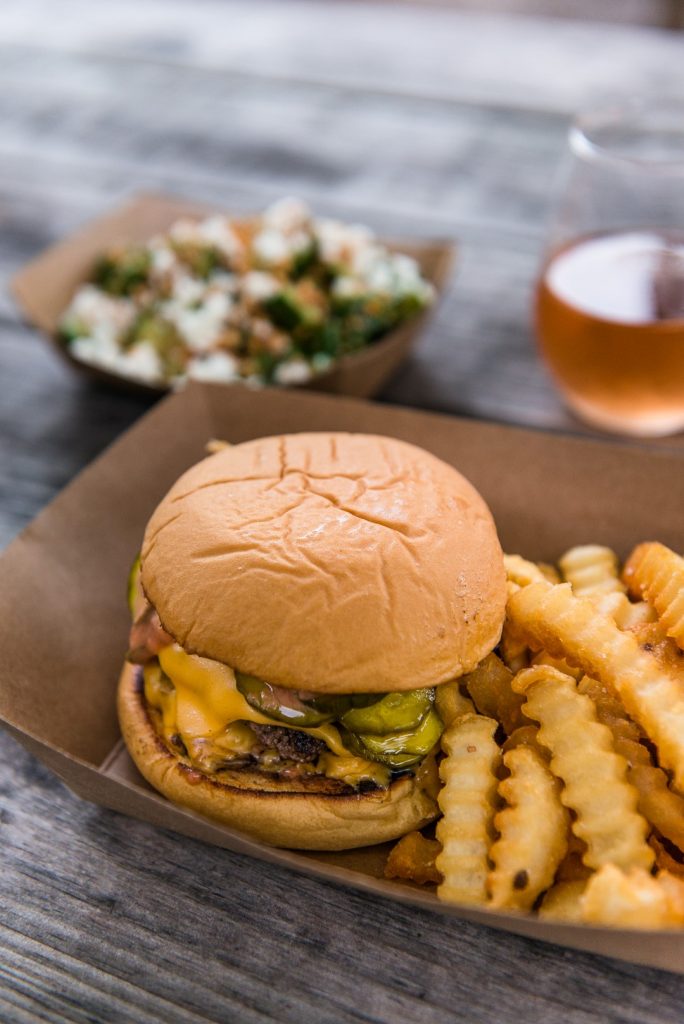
x=336, y=563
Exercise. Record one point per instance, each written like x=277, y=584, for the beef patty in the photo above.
x=291, y=744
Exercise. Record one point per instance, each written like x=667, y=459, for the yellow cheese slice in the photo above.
x=207, y=699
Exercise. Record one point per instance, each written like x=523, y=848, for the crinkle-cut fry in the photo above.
x=525, y=736
x=674, y=887
x=594, y=777
x=651, y=638
x=544, y=658
x=214, y=445
x=564, y=901
x=549, y=572
x=592, y=570
x=572, y=868
x=489, y=685
x=512, y=646
x=658, y=804
x=450, y=703
x=522, y=572
x=632, y=899
x=467, y=802
x=656, y=573
x=413, y=859
x=626, y=614
x=664, y=860
x=533, y=832
x=571, y=627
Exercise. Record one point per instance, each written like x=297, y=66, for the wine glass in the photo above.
x=609, y=305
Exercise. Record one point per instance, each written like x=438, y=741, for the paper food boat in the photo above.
x=64, y=619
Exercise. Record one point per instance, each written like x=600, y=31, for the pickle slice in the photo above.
x=393, y=713
x=266, y=699
x=400, y=749
x=136, y=597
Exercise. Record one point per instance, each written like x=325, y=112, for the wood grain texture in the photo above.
x=425, y=122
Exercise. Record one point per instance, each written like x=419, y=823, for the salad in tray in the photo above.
x=274, y=300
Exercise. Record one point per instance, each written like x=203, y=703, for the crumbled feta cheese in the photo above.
x=294, y=371
x=95, y=352
x=218, y=231
x=340, y=243
x=345, y=287
x=287, y=215
x=258, y=285
x=299, y=241
x=163, y=259
x=185, y=230
x=92, y=307
x=187, y=290
x=379, y=278
x=217, y=366
x=142, y=363
x=202, y=327
x=138, y=363
x=270, y=247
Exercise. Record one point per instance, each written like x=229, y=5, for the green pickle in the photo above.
x=261, y=696
x=400, y=750
x=134, y=589
x=395, y=712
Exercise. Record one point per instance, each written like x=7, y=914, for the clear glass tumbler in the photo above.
x=609, y=305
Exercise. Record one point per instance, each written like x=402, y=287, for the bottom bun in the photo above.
x=315, y=816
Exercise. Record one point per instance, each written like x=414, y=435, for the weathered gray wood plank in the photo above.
x=400, y=49
x=108, y=919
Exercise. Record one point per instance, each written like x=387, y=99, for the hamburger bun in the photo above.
x=328, y=562
x=314, y=814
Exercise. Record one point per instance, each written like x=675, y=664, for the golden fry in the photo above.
x=533, y=832
x=652, y=638
x=664, y=859
x=468, y=773
x=625, y=613
x=413, y=859
x=214, y=445
x=521, y=572
x=544, y=658
x=592, y=570
x=489, y=685
x=658, y=804
x=512, y=646
x=572, y=868
x=570, y=627
x=549, y=572
x=656, y=573
x=674, y=887
x=450, y=703
x=526, y=736
x=594, y=776
x=564, y=901
x=632, y=899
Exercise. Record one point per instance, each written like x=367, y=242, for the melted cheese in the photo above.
x=205, y=706
x=353, y=770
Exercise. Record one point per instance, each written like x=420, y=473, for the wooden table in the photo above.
x=422, y=121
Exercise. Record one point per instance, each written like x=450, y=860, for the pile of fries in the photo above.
x=563, y=754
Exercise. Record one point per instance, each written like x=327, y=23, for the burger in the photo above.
x=296, y=602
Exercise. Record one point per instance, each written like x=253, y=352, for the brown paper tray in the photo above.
x=64, y=621
x=44, y=287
